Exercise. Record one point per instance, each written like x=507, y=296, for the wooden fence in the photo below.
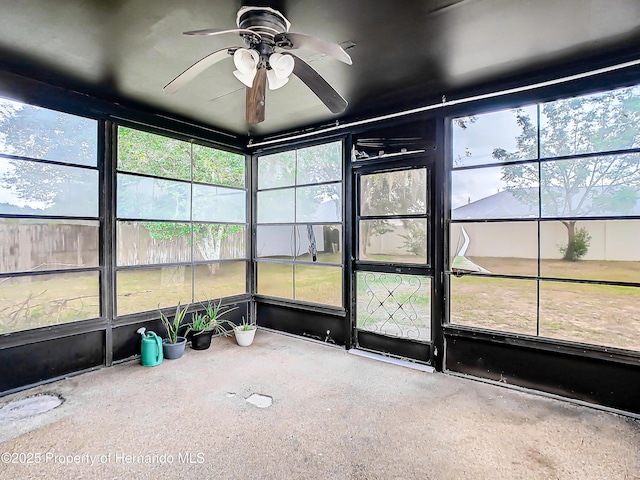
x=31, y=246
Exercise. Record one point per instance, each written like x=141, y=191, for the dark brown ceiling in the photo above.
x=401, y=49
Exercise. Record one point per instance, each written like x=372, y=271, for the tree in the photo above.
x=393, y=193
x=309, y=191
x=374, y=199
x=415, y=241
x=577, y=248
x=319, y=165
x=151, y=154
x=34, y=132
x=587, y=186
x=463, y=123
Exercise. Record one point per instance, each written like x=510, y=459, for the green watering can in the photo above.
x=151, y=348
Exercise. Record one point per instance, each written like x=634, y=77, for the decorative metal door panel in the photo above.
x=394, y=305
x=392, y=268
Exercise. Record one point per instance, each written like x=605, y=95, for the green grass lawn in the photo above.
x=31, y=302
x=596, y=314
x=394, y=304
x=143, y=290
x=313, y=283
x=396, y=259
x=582, y=270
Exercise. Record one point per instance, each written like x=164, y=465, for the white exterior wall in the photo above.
x=613, y=240
x=390, y=243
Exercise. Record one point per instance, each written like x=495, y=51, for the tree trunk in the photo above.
x=25, y=252
x=209, y=249
x=79, y=261
x=364, y=239
x=569, y=254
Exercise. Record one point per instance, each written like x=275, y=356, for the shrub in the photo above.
x=577, y=247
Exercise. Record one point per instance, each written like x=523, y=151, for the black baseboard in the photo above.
x=321, y=326
x=603, y=382
x=34, y=363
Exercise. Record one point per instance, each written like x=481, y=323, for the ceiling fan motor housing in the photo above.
x=265, y=21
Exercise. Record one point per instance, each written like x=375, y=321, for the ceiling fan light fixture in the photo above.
x=246, y=78
x=246, y=62
x=275, y=82
x=282, y=65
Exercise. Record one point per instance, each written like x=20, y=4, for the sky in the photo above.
x=489, y=131
x=472, y=146
x=479, y=139
x=11, y=109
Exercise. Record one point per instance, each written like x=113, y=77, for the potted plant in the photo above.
x=173, y=345
x=204, y=325
x=245, y=332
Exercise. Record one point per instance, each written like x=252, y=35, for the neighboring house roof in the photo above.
x=512, y=204
x=499, y=205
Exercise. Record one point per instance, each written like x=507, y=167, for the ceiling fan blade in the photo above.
x=217, y=31
x=318, y=85
x=302, y=42
x=256, y=98
x=196, y=69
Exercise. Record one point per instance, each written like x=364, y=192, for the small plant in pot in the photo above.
x=204, y=325
x=173, y=345
x=245, y=332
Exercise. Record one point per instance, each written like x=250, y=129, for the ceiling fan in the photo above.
x=267, y=58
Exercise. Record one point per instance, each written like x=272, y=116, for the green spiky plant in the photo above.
x=210, y=320
x=246, y=324
x=172, y=326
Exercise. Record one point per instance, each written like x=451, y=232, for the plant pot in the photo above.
x=201, y=341
x=244, y=337
x=173, y=350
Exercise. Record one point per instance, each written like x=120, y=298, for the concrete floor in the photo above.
x=334, y=415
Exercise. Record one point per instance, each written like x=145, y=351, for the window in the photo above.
x=544, y=242
x=393, y=217
x=299, y=225
x=181, y=222
x=49, y=218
